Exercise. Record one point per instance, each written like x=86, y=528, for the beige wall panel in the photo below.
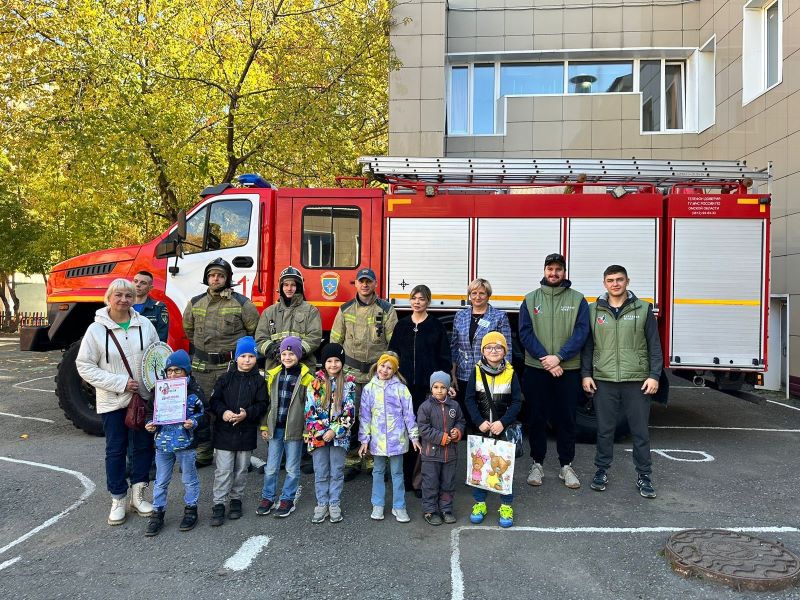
x=793, y=110
x=792, y=196
x=691, y=15
x=408, y=16
x=462, y=24
x=519, y=137
x=665, y=140
x=434, y=18
x=432, y=116
x=404, y=116
x=489, y=43
x=409, y=50
x=791, y=33
x=519, y=109
x=607, y=154
x=637, y=39
x=578, y=20
x=577, y=107
x=519, y=22
x=488, y=143
x=668, y=38
x=607, y=19
x=791, y=73
x=631, y=106
x=404, y=84
x=793, y=241
x=404, y=144
x=547, y=21
x=606, y=135
x=491, y=23
x=607, y=40
x=606, y=107
x=547, y=135
x=637, y=18
x=548, y=108
x=794, y=161
x=777, y=280
x=778, y=232
x=778, y=153
x=668, y=18
x=431, y=143
x=432, y=83
x=576, y=135
x=461, y=44
x=794, y=340
x=457, y=143
x=518, y=42
x=691, y=38
x=433, y=49
x=778, y=205
x=793, y=285
x=737, y=141
x=548, y=42
x=631, y=136
x=577, y=40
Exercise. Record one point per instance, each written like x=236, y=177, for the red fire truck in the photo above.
x=693, y=235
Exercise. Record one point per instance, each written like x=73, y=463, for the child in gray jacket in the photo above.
x=441, y=425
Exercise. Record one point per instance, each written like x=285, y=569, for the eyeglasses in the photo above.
x=494, y=348
x=172, y=370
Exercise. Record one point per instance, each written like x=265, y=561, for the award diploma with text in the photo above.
x=169, y=405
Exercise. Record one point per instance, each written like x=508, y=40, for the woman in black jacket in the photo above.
x=421, y=342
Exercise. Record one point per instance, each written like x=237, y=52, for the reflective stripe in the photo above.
x=717, y=301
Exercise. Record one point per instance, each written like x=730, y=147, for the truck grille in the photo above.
x=102, y=269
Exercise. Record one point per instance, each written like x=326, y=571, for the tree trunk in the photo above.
x=12, y=291
x=3, y=285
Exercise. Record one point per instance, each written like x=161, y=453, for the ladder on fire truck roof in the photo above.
x=521, y=171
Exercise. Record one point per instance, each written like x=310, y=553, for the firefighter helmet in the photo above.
x=290, y=271
x=219, y=264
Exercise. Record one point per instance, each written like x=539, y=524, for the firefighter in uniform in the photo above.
x=155, y=311
x=293, y=316
x=214, y=321
x=364, y=327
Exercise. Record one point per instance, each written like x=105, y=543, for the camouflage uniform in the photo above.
x=214, y=322
x=300, y=319
x=364, y=330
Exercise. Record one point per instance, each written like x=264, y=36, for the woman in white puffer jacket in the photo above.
x=100, y=365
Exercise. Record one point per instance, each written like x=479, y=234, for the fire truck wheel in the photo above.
x=75, y=396
x=586, y=423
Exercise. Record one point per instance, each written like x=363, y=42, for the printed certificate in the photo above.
x=169, y=405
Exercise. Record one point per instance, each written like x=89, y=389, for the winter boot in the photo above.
x=217, y=515
x=189, y=518
x=235, y=510
x=138, y=503
x=155, y=523
x=119, y=511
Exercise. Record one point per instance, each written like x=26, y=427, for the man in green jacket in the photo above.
x=292, y=316
x=553, y=326
x=214, y=321
x=621, y=364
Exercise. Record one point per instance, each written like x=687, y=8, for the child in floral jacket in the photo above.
x=330, y=408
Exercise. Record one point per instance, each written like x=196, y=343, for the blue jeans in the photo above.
x=294, y=450
x=398, y=485
x=328, y=474
x=165, y=461
x=480, y=496
x=116, y=452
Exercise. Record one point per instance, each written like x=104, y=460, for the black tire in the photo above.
x=76, y=397
x=586, y=423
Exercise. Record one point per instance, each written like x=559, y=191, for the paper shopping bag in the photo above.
x=490, y=464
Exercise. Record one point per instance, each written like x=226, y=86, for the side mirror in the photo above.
x=167, y=248
x=180, y=229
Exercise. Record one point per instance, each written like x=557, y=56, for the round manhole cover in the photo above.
x=736, y=559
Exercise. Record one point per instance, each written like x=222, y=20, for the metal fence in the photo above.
x=10, y=322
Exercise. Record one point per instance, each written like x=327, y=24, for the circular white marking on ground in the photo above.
x=31, y=389
x=704, y=456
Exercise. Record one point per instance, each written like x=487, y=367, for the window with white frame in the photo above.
x=476, y=89
x=762, y=47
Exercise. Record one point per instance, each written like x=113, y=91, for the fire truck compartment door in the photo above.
x=224, y=227
x=594, y=244
x=510, y=253
x=435, y=252
x=717, y=292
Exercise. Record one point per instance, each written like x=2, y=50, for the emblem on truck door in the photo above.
x=330, y=285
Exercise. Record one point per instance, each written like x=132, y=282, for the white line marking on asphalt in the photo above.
x=724, y=428
x=457, y=575
x=30, y=389
x=246, y=553
x=3, y=414
x=782, y=404
x=706, y=457
x=88, y=489
x=8, y=563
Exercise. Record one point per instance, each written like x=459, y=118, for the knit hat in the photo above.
x=179, y=359
x=494, y=337
x=293, y=344
x=246, y=345
x=332, y=350
x=441, y=377
x=391, y=359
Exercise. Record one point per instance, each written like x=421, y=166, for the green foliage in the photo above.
x=117, y=113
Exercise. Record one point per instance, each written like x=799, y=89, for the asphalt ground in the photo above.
x=718, y=462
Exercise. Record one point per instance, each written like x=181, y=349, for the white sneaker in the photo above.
x=535, y=474
x=401, y=515
x=119, y=511
x=138, y=503
x=320, y=512
x=568, y=476
x=377, y=513
x=336, y=513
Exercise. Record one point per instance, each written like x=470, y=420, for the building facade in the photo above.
x=672, y=79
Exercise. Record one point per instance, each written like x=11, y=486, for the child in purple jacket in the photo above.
x=387, y=422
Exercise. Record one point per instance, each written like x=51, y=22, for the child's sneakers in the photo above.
x=285, y=508
x=478, y=512
x=506, y=515
x=433, y=519
x=401, y=515
x=235, y=511
x=155, y=523
x=217, y=515
x=335, y=513
x=377, y=513
x=264, y=507
x=449, y=518
x=320, y=512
